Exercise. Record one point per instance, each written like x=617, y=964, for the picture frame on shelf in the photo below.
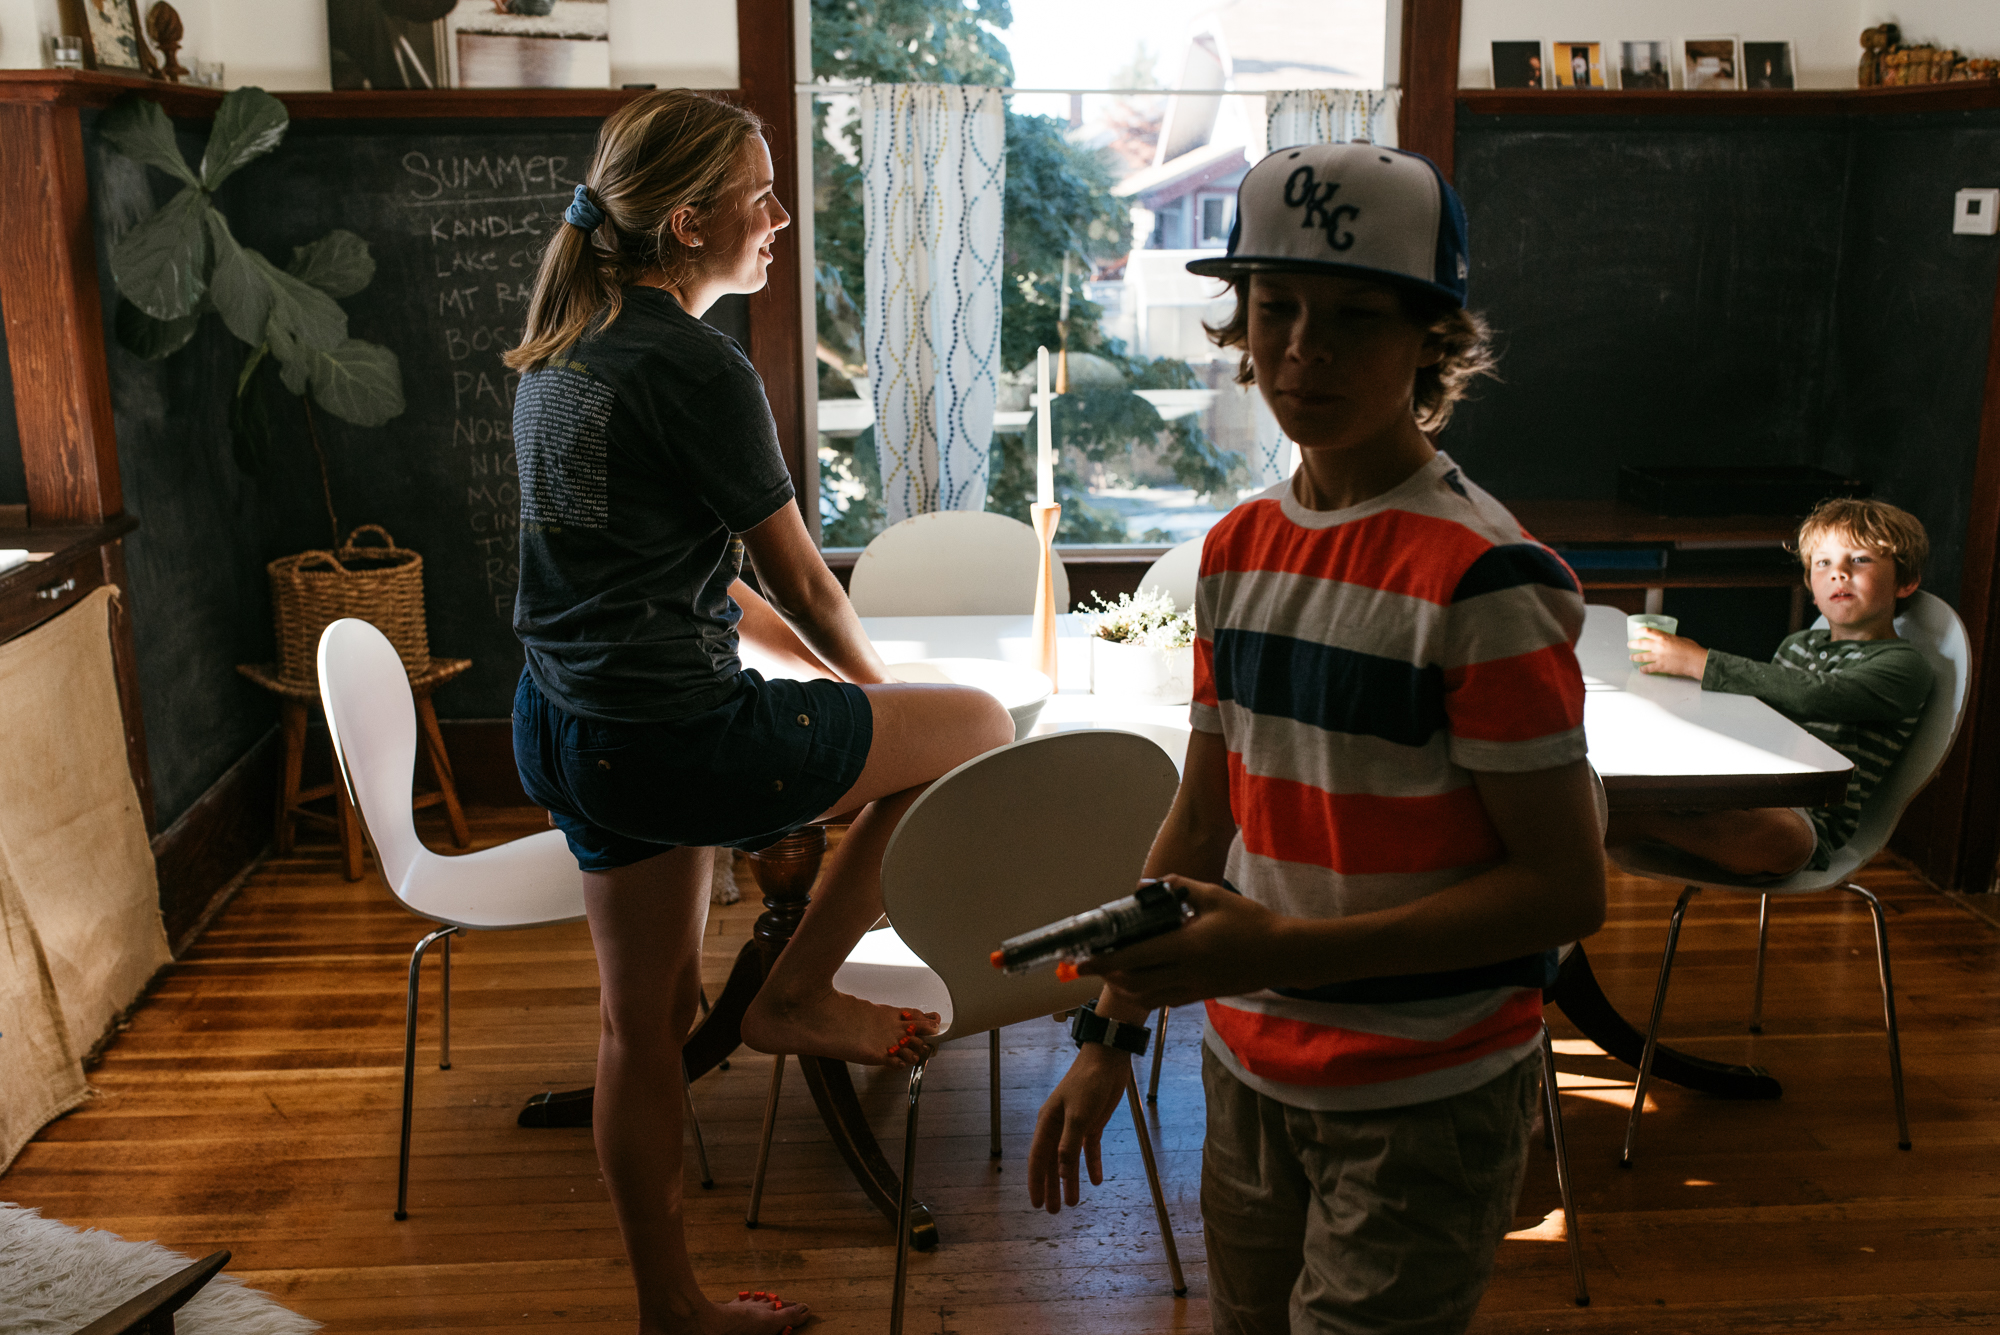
x=1769, y=65
x=1710, y=63
x=1519, y=65
x=113, y=39
x=1646, y=65
x=1577, y=65
x=388, y=44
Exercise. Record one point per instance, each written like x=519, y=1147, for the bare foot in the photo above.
x=836, y=1025
x=754, y=1314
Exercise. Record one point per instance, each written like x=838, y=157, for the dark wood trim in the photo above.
x=1950, y=829
x=70, y=88
x=1429, y=77
x=200, y=856
x=765, y=55
x=55, y=333
x=1696, y=793
x=1735, y=102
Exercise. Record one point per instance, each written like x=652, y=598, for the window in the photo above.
x=1156, y=439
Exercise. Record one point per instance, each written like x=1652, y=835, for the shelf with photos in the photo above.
x=1723, y=76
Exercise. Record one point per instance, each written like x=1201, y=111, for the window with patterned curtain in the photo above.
x=1124, y=128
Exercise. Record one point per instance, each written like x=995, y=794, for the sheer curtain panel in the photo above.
x=933, y=169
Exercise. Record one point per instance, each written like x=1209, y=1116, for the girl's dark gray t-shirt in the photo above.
x=642, y=450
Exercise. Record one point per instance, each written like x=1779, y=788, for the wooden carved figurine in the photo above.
x=1875, y=44
x=163, y=25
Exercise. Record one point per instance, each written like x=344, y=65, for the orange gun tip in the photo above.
x=1065, y=971
x=995, y=958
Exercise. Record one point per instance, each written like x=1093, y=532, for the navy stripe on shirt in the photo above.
x=1536, y=971
x=1510, y=566
x=1340, y=690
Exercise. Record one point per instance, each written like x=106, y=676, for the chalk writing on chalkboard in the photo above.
x=486, y=218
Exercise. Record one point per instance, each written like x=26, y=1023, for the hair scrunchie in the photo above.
x=583, y=211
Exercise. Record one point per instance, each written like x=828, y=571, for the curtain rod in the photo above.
x=834, y=88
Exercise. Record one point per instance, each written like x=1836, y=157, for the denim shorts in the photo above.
x=772, y=757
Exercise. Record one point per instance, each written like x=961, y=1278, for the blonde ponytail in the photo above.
x=656, y=156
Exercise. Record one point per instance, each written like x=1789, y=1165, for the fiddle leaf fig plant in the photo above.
x=184, y=262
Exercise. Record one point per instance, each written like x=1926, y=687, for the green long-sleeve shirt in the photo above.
x=1861, y=697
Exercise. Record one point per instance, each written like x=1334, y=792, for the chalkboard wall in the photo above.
x=1731, y=291
x=455, y=214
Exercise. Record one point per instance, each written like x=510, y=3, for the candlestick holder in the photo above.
x=1043, y=650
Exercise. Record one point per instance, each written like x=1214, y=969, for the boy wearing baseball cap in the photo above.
x=1385, y=820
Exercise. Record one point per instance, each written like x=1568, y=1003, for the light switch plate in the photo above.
x=1977, y=213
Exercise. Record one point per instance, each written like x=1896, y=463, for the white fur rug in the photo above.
x=55, y=1279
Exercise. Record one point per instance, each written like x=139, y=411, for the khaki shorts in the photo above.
x=1352, y=1222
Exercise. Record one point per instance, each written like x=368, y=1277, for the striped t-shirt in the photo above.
x=1863, y=698
x=1360, y=665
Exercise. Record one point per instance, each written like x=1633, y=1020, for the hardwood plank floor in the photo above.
x=253, y=1105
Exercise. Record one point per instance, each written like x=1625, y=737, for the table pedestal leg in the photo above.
x=785, y=872
x=1584, y=1002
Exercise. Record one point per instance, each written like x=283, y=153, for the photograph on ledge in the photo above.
x=1645, y=65
x=1767, y=65
x=1579, y=64
x=532, y=43
x=385, y=44
x=1709, y=63
x=1517, y=64
x=115, y=44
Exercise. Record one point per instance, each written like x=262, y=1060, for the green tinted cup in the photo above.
x=1639, y=621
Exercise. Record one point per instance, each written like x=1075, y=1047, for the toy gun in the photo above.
x=1156, y=909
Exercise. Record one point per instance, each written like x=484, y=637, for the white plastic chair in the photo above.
x=1016, y=838
x=952, y=563
x=1932, y=626
x=1177, y=571
x=531, y=882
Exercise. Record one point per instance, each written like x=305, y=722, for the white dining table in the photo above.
x=1655, y=741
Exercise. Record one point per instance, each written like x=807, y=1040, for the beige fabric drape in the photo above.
x=80, y=929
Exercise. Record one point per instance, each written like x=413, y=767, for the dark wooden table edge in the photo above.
x=1654, y=792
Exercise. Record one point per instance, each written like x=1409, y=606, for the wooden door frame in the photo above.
x=1428, y=120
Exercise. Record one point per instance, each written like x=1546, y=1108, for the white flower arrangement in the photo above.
x=1147, y=618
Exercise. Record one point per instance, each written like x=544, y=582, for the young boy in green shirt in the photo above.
x=1854, y=685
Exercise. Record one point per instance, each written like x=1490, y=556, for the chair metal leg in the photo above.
x=694, y=1125
x=1653, y=1026
x=1888, y=1014
x=1757, y=988
x=1153, y=1181
x=444, y=1010
x=907, y=1199
x=1159, y=1053
x=993, y=1096
x=764, y=1145
x=1553, y=1118
x=410, y=1068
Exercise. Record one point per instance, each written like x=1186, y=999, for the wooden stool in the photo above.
x=295, y=702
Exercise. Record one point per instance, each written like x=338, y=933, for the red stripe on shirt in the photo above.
x=1298, y=1052
x=1359, y=833
x=1396, y=551
x=1204, y=673
x=1516, y=699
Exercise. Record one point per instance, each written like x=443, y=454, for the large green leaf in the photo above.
x=141, y=131
x=152, y=339
x=161, y=265
x=338, y=264
x=237, y=286
x=303, y=320
x=248, y=124
x=359, y=382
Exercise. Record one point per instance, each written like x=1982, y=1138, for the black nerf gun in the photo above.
x=1156, y=909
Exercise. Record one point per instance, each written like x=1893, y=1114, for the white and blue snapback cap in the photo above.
x=1357, y=209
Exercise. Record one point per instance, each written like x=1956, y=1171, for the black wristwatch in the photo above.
x=1087, y=1026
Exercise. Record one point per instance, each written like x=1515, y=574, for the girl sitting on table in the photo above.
x=1854, y=685
x=649, y=466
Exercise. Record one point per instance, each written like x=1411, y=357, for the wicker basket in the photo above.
x=383, y=586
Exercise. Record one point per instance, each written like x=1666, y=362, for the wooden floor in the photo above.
x=253, y=1105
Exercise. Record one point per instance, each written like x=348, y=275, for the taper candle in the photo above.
x=1045, y=454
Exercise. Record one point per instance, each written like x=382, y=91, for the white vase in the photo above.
x=1158, y=676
